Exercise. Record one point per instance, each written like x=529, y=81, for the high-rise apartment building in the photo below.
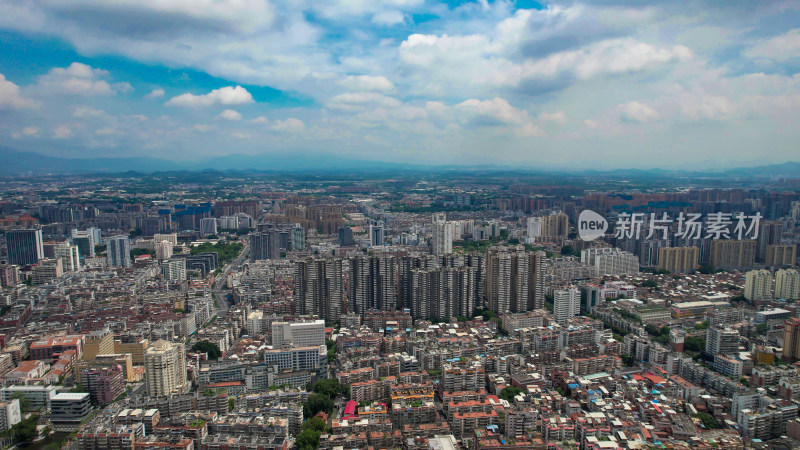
x=163, y=250
x=758, y=285
x=566, y=304
x=769, y=232
x=165, y=369
x=791, y=339
x=610, y=261
x=376, y=236
x=678, y=259
x=265, y=245
x=24, y=247
x=722, y=341
x=346, y=236
x=732, y=253
x=555, y=225
x=442, y=242
x=208, y=226
x=119, y=252
x=174, y=269
x=319, y=287
x=69, y=254
x=781, y=255
x=298, y=237
x=787, y=284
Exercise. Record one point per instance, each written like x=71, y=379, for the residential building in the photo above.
x=678, y=259
x=25, y=247
x=566, y=304
x=758, y=285
x=165, y=368
x=787, y=284
x=119, y=252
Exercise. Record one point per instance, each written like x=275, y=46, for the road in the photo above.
x=220, y=292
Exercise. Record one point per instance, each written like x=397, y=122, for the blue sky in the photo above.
x=595, y=84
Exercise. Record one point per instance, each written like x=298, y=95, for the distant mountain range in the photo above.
x=17, y=163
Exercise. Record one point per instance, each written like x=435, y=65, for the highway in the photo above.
x=220, y=292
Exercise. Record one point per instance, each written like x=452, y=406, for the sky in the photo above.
x=693, y=84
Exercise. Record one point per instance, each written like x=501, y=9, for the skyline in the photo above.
x=565, y=84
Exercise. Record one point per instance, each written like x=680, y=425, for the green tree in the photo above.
x=308, y=439
x=316, y=403
x=509, y=393
x=315, y=424
x=709, y=422
x=24, y=403
x=207, y=347
x=694, y=344
x=328, y=387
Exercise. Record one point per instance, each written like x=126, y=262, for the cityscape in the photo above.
x=399, y=225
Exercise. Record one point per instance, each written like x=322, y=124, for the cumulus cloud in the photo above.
x=388, y=18
x=497, y=112
x=291, y=125
x=230, y=114
x=556, y=117
x=30, y=131
x=229, y=95
x=779, y=48
x=10, y=96
x=80, y=79
x=637, y=112
x=155, y=93
x=62, y=132
x=367, y=83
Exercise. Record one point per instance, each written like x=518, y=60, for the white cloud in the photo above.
x=367, y=83
x=388, y=18
x=83, y=112
x=637, y=112
x=10, y=96
x=779, y=48
x=230, y=114
x=498, y=112
x=155, y=93
x=259, y=119
x=80, y=79
x=30, y=131
x=62, y=132
x=291, y=125
x=229, y=95
x=556, y=117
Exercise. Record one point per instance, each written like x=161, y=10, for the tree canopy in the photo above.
x=207, y=347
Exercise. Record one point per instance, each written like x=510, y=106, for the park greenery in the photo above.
x=225, y=251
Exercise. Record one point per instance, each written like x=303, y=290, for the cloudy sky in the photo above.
x=601, y=84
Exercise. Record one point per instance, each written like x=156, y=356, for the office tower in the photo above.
x=25, y=247
x=298, y=334
x=345, y=236
x=610, y=261
x=265, y=245
x=298, y=237
x=758, y=285
x=649, y=251
x=442, y=242
x=165, y=369
x=791, y=339
x=787, y=284
x=555, y=225
x=229, y=222
x=534, y=228
x=678, y=259
x=163, y=250
x=781, y=255
x=86, y=241
x=174, y=269
x=376, y=235
x=769, y=232
x=69, y=254
x=119, y=252
x=208, y=226
x=732, y=254
x=722, y=341
x=566, y=304
x=319, y=287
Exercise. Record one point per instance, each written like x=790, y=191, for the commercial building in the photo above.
x=99, y=342
x=298, y=334
x=68, y=410
x=46, y=270
x=24, y=247
x=208, y=226
x=10, y=414
x=69, y=255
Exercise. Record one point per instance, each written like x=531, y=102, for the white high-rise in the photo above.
x=69, y=256
x=442, y=243
x=566, y=304
x=758, y=285
x=208, y=226
x=165, y=369
x=787, y=284
x=298, y=334
x=163, y=250
x=610, y=261
x=119, y=252
x=534, y=228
